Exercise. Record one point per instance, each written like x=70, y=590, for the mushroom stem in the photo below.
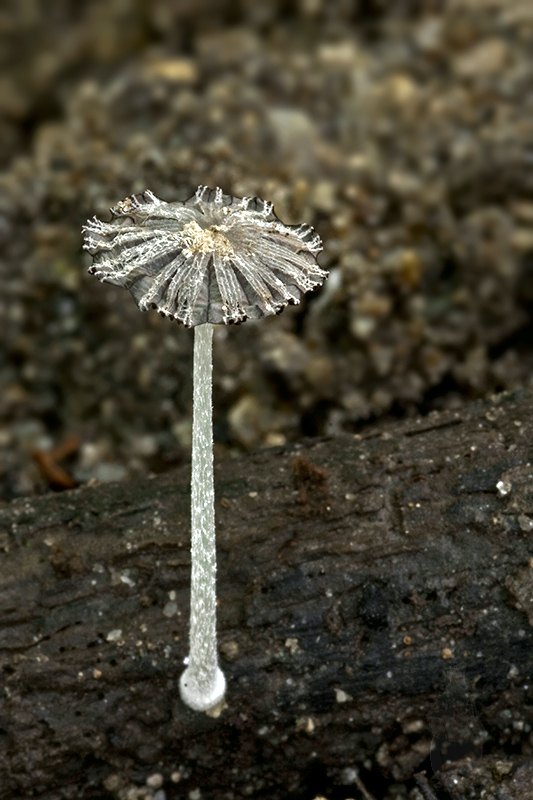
x=202, y=685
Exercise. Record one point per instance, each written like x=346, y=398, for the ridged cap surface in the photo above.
x=213, y=258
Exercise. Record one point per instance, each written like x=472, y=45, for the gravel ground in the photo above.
x=404, y=137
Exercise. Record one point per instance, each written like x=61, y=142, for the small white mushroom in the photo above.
x=211, y=259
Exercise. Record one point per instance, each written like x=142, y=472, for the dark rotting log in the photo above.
x=375, y=611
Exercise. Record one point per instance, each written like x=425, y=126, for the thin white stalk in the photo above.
x=202, y=685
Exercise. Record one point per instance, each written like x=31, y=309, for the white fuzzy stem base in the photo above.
x=203, y=685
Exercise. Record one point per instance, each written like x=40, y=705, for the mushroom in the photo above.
x=211, y=259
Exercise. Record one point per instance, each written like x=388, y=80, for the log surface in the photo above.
x=375, y=596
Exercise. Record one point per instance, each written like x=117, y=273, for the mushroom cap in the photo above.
x=212, y=258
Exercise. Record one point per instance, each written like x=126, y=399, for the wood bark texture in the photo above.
x=375, y=601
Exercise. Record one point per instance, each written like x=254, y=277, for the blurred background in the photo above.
x=401, y=130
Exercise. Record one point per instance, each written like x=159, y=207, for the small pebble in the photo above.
x=170, y=609
x=341, y=696
x=155, y=781
x=504, y=487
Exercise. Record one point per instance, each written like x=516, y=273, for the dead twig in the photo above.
x=54, y=475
